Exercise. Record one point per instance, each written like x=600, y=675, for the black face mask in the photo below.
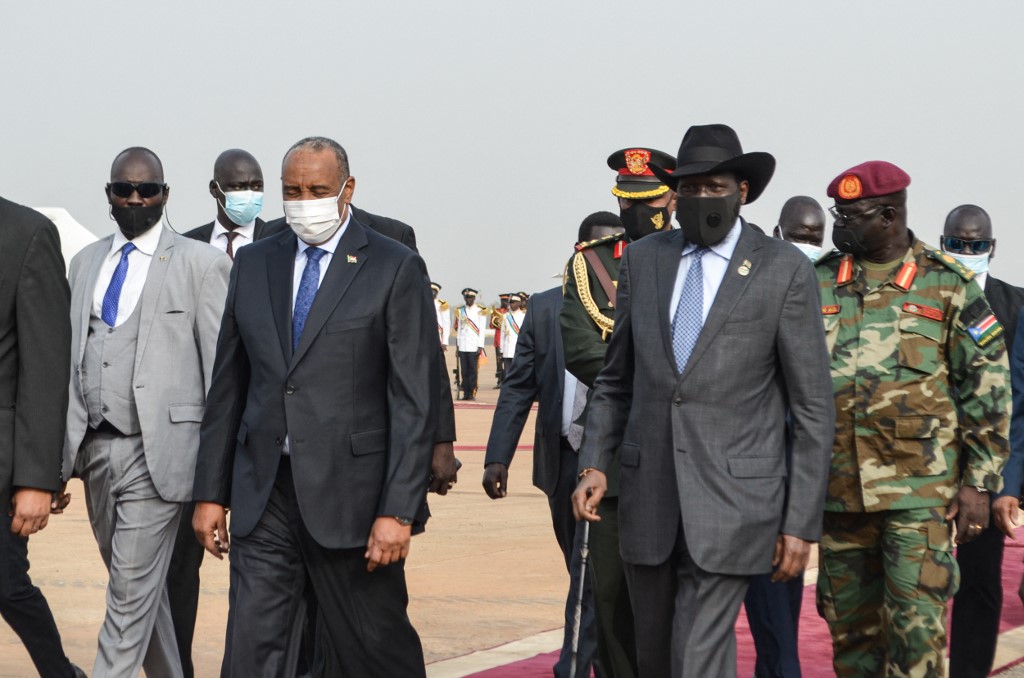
x=134, y=220
x=849, y=241
x=641, y=219
x=706, y=221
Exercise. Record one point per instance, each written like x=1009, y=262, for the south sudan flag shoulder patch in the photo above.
x=985, y=330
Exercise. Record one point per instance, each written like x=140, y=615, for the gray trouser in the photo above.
x=135, y=530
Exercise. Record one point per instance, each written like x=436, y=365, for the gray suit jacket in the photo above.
x=709, y=448
x=181, y=307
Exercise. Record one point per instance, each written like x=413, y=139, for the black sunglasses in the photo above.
x=145, y=189
x=962, y=246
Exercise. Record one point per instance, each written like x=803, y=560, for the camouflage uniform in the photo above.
x=919, y=371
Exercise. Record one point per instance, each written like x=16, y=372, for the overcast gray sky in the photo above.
x=486, y=125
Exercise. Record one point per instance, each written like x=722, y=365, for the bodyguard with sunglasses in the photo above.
x=967, y=237
x=145, y=312
x=919, y=372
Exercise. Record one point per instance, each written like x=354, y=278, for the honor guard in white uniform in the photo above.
x=471, y=321
x=444, y=316
x=510, y=325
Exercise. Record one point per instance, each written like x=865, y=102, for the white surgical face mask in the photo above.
x=812, y=252
x=314, y=221
x=975, y=262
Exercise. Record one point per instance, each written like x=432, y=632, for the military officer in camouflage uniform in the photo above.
x=919, y=372
x=645, y=207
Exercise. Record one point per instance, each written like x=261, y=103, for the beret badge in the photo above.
x=850, y=187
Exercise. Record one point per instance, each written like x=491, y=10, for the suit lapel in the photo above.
x=667, y=267
x=87, y=290
x=348, y=259
x=151, y=290
x=731, y=289
x=280, y=267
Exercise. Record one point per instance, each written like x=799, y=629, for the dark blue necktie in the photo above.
x=307, y=292
x=689, y=318
x=113, y=293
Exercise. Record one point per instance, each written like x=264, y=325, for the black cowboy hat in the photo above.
x=711, y=149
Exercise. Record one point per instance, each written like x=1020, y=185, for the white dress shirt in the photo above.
x=714, y=265
x=325, y=261
x=219, y=239
x=138, y=268
x=568, y=397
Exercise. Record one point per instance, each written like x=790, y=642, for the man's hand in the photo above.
x=443, y=471
x=30, y=510
x=588, y=495
x=60, y=499
x=791, y=556
x=388, y=543
x=1004, y=515
x=210, y=523
x=970, y=508
x=496, y=480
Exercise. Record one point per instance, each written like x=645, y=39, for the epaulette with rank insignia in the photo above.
x=444, y=305
x=599, y=241
x=827, y=256
x=950, y=262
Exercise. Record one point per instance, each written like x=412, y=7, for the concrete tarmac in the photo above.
x=485, y=573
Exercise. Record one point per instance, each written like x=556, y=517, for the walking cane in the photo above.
x=578, y=612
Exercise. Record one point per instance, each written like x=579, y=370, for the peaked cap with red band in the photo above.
x=868, y=180
x=635, y=180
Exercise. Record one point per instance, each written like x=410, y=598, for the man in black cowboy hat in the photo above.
x=645, y=207
x=717, y=333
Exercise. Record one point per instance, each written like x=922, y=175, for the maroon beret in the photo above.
x=868, y=180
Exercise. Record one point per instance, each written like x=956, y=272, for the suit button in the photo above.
x=289, y=390
x=677, y=402
x=278, y=441
x=104, y=409
x=106, y=364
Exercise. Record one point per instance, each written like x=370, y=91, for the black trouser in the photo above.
x=773, y=611
x=977, y=605
x=24, y=607
x=468, y=367
x=362, y=628
x=183, y=587
x=616, y=642
x=569, y=535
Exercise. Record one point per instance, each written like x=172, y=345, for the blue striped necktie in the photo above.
x=113, y=294
x=308, y=286
x=689, y=318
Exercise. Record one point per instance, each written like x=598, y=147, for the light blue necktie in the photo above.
x=689, y=318
x=308, y=286
x=113, y=294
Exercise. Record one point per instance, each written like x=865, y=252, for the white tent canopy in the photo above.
x=73, y=236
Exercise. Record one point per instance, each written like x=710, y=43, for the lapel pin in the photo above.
x=350, y=259
x=163, y=258
x=744, y=268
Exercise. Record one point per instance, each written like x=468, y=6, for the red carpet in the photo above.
x=815, y=643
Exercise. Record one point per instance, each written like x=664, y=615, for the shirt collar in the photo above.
x=145, y=243
x=724, y=247
x=247, y=231
x=331, y=244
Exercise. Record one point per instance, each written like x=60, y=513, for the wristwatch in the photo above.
x=405, y=522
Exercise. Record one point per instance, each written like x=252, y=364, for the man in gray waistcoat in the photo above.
x=145, y=311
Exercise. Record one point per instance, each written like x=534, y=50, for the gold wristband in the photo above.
x=584, y=472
